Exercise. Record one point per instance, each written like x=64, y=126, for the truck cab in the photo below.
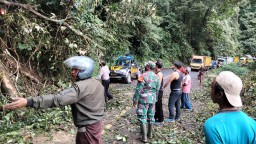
x=125, y=67
x=225, y=60
x=200, y=61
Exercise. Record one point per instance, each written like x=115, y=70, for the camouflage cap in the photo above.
x=151, y=64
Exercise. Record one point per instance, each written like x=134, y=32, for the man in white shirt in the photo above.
x=104, y=76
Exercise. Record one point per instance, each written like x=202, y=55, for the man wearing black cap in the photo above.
x=175, y=85
x=159, y=116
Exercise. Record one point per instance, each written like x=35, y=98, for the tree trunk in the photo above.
x=7, y=87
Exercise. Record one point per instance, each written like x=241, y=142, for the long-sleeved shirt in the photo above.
x=104, y=73
x=147, y=88
x=86, y=98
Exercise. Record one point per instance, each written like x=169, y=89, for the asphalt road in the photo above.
x=193, y=74
x=166, y=73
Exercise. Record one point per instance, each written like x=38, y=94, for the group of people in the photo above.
x=86, y=97
x=229, y=125
x=149, y=93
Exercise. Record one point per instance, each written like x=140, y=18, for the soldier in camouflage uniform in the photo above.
x=145, y=97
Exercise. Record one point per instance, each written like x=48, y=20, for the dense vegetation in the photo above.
x=148, y=29
x=37, y=35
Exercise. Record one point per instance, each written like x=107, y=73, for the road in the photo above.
x=193, y=75
x=120, y=117
x=127, y=114
x=166, y=72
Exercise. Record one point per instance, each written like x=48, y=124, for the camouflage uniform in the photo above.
x=146, y=95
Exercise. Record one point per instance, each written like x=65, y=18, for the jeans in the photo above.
x=105, y=84
x=159, y=116
x=174, y=100
x=185, y=103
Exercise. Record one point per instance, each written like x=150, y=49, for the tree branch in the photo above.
x=61, y=22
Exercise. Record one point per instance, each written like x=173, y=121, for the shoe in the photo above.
x=158, y=123
x=189, y=109
x=176, y=119
x=169, y=120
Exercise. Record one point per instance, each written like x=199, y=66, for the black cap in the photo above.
x=159, y=64
x=177, y=64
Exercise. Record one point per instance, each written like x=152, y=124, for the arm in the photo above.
x=158, y=85
x=172, y=77
x=138, y=89
x=100, y=74
x=185, y=81
x=158, y=88
x=66, y=97
x=160, y=76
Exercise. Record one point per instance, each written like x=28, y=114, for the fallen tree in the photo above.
x=60, y=22
x=7, y=86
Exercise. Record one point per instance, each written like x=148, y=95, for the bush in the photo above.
x=248, y=76
x=235, y=68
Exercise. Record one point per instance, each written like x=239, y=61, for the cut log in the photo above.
x=22, y=69
x=7, y=87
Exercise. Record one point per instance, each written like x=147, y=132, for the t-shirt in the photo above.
x=187, y=80
x=230, y=128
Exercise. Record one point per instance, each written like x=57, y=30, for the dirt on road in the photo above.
x=121, y=125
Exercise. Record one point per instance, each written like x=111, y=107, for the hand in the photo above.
x=134, y=104
x=17, y=103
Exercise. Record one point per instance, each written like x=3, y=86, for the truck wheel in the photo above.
x=128, y=79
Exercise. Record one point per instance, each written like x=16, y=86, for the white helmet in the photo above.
x=83, y=63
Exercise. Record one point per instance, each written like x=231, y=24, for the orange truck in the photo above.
x=200, y=61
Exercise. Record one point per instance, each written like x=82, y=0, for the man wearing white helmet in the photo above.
x=86, y=98
x=230, y=125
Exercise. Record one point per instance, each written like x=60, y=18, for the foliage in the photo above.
x=247, y=25
x=248, y=76
x=167, y=30
x=235, y=68
x=20, y=126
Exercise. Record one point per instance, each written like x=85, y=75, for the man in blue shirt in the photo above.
x=230, y=125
